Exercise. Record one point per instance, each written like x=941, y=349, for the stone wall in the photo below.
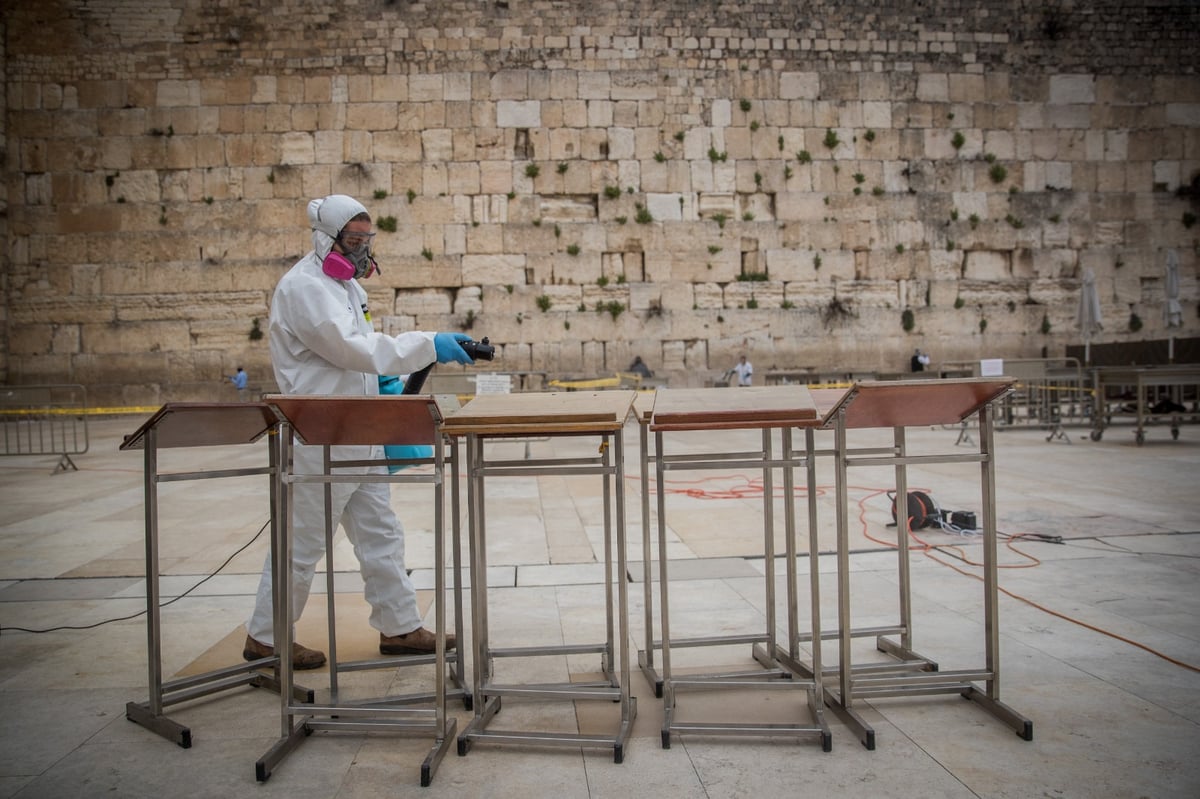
x=826, y=184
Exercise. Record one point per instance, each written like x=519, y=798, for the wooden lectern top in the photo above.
x=541, y=413
x=915, y=403
x=204, y=424
x=339, y=420
x=751, y=407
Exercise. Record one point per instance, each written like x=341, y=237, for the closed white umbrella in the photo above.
x=1088, y=318
x=1172, y=310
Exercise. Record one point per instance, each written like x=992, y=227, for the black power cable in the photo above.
x=228, y=560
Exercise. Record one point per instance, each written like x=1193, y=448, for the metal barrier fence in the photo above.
x=1050, y=393
x=45, y=420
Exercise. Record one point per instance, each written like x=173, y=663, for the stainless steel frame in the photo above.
x=782, y=668
x=900, y=405
x=557, y=420
x=192, y=425
x=398, y=421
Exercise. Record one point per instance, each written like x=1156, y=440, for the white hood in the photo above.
x=327, y=216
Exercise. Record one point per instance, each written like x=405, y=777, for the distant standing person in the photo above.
x=744, y=371
x=239, y=380
x=919, y=361
x=639, y=367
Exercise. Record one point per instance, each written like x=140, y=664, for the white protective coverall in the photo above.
x=322, y=343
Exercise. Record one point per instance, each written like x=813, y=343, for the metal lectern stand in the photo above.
x=518, y=416
x=899, y=405
x=333, y=421
x=766, y=410
x=184, y=424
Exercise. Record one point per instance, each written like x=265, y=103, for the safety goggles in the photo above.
x=352, y=240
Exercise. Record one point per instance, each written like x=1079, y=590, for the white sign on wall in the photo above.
x=493, y=384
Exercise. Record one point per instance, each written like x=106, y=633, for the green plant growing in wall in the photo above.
x=787, y=305
x=602, y=281
x=758, y=179
x=620, y=220
x=907, y=321
x=859, y=177
x=831, y=138
x=620, y=278
x=787, y=172
x=612, y=192
x=713, y=249
x=412, y=195
x=380, y=194
x=900, y=249
x=573, y=249
x=679, y=135
x=982, y=325
x=532, y=171
x=256, y=333
x=427, y=253
x=817, y=261
x=543, y=302
x=720, y=219
x=643, y=216
x=715, y=156
x=958, y=140
x=779, y=141
x=1135, y=322
x=509, y=288
x=744, y=104
x=512, y=195
x=804, y=157
x=997, y=173
x=959, y=302
x=1189, y=219
x=752, y=303
x=659, y=157
x=1045, y=325
x=563, y=166
x=1054, y=219
x=748, y=216
x=208, y=200
x=386, y=224
x=613, y=307
x=754, y=126
x=973, y=220
x=877, y=191
x=557, y=231
x=1014, y=221
x=537, y=222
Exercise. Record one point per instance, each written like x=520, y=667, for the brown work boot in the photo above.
x=419, y=642
x=303, y=658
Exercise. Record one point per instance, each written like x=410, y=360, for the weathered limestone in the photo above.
x=682, y=181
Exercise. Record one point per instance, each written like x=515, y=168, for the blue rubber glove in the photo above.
x=448, y=350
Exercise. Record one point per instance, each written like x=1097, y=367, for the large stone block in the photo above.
x=497, y=270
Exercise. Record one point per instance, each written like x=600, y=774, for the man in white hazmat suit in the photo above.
x=322, y=342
